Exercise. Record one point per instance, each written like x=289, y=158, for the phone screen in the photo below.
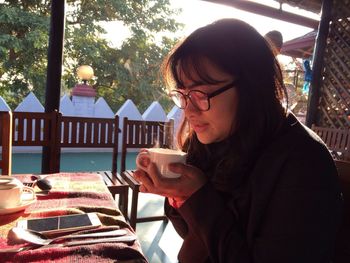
x=55, y=223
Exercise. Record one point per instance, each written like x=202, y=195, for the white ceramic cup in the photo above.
x=162, y=158
x=12, y=192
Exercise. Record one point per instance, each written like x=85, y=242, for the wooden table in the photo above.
x=72, y=193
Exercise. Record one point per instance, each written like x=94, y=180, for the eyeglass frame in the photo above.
x=209, y=95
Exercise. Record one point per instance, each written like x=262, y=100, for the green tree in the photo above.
x=128, y=72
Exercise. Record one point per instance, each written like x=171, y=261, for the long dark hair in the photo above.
x=238, y=49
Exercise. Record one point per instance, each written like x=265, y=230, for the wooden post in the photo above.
x=317, y=65
x=6, y=162
x=124, y=137
x=116, y=144
x=55, y=139
x=54, y=71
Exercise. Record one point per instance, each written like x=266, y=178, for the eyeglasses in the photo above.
x=199, y=99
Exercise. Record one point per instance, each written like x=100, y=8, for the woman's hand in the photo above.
x=181, y=188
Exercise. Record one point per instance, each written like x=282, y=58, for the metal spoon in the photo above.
x=37, y=238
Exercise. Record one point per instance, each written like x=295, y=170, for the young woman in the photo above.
x=258, y=186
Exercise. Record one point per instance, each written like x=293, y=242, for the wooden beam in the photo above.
x=268, y=11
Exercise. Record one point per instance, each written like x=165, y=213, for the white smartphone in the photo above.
x=61, y=224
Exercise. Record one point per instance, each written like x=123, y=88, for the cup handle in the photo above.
x=31, y=190
x=139, y=159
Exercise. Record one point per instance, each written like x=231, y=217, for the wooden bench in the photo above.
x=37, y=129
x=337, y=140
x=143, y=134
x=82, y=132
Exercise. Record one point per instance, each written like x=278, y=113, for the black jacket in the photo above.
x=288, y=211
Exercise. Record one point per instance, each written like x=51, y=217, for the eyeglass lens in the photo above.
x=198, y=99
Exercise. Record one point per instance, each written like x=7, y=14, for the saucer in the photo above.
x=20, y=207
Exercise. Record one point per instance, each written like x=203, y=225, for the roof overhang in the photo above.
x=264, y=10
x=308, y=5
x=300, y=47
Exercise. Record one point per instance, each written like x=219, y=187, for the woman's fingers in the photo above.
x=178, y=168
x=143, y=189
x=154, y=174
x=185, y=170
x=191, y=180
x=143, y=150
x=153, y=182
x=144, y=161
x=138, y=173
x=144, y=179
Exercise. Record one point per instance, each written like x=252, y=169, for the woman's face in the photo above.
x=218, y=122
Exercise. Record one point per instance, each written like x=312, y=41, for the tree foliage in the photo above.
x=127, y=72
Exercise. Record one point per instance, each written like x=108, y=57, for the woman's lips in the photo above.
x=198, y=128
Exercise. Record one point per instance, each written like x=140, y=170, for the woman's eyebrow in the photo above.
x=200, y=83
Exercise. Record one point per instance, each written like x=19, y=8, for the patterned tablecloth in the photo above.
x=72, y=193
